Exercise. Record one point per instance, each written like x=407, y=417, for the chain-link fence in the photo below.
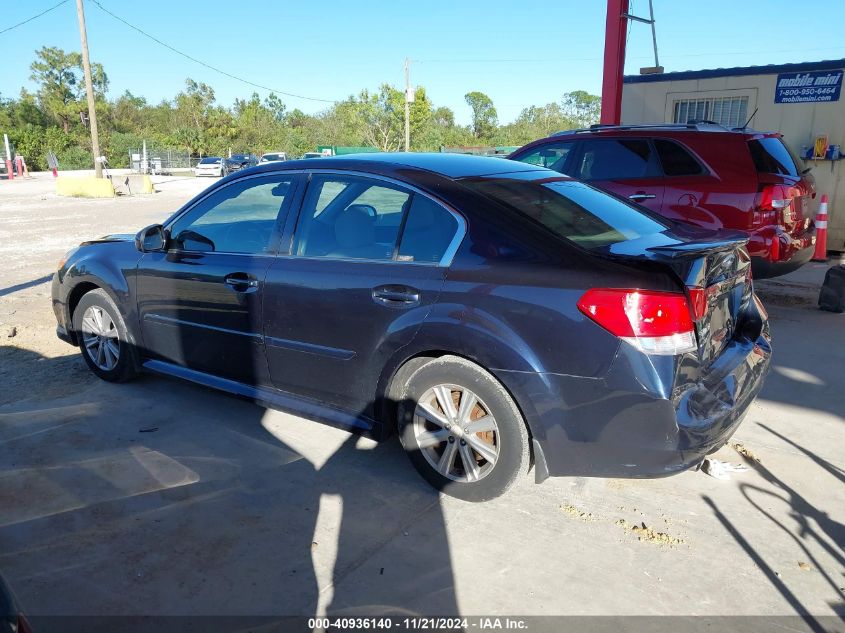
x=160, y=160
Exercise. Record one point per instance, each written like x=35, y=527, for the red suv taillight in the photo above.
x=774, y=203
x=653, y=322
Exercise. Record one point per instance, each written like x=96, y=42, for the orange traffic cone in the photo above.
x=821, y=232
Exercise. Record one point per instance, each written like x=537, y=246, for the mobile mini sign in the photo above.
x=811, y=87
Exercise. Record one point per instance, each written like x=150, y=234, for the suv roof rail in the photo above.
x=694, y=124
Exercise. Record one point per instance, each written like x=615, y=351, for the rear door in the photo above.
x=691, y=192
x=627, y=167
x=366, y=263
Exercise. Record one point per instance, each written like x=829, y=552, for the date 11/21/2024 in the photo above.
x=419, y=623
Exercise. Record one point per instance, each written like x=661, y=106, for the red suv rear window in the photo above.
x=771, y=156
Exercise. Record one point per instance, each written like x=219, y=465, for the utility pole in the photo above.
x=89, y=87
x=409, y=99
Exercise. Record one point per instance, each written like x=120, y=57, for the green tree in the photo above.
x=383, y=115
x=484, y=115
x=583, y=108
x=61, y=84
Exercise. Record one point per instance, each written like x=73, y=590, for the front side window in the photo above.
x=350, y=218
x=571, y=209
x=239, y=218
x=551, y=156
x=615, y=159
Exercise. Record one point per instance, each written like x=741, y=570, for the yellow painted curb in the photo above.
x=89, y=187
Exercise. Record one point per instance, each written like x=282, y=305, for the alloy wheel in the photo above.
x=456, y=433
x=100, y=338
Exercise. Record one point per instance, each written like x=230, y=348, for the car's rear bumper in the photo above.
x=775, y=252
x=637, y=421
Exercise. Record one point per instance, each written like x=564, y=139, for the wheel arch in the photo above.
x=407, y=360
x=74, y=296
x=97, y=276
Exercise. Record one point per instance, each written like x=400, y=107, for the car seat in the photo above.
x=355, y=235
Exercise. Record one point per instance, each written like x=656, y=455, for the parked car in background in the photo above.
x=493, y=314
x=209, y=166
x=700, y=173
x=315, y=155
x=236, y=162
x=273, y=157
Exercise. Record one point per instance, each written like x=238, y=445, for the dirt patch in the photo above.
x=576, y=513
x=649, y=535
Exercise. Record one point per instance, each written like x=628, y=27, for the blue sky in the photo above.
x=520, y=53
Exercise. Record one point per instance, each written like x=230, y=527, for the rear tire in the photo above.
x=103, y=338
x=461, y=429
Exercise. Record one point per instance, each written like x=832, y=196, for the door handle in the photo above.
x=396, y=296
x=638, y=197
x=241, y=282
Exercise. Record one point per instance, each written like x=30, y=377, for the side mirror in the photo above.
x=150, y=239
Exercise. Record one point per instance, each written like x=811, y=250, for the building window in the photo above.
x=727, y=111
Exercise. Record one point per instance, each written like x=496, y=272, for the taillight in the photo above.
x=654, y=322
x=775, y=202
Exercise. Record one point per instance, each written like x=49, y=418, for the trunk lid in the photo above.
x=715, y=269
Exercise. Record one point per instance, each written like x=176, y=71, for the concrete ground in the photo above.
x=159, y=497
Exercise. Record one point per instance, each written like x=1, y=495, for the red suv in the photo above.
x=700, y=173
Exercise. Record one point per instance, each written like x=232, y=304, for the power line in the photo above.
x=202, y=63
x=34, y=17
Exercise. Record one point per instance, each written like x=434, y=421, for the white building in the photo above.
x=802, y=101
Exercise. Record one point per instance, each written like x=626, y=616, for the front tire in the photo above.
x=103, y=338
x=461, y=429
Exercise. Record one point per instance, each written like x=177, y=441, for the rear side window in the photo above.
x=573, y=210
x=429, y=229
x=771, y=156
x=676, y=160
x=551, y=156
x=614, y=159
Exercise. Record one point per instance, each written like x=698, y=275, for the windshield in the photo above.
x=268, y=157
x=209, y=161
x=570, y=209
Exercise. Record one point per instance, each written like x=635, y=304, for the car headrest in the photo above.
x=355, y=227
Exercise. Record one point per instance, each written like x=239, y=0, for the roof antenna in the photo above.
x=749, y=120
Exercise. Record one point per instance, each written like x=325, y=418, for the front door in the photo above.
x=200, y=301
x=627, y=167
x=367, y=261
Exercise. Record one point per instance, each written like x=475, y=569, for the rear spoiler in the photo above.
x=699, y=248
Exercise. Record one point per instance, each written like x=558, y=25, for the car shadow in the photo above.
x=162, y=498
x=812, y=529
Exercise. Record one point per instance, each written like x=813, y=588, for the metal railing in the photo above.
x=160, y=160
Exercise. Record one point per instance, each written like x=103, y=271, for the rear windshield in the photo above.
x=571, y=209
x=771, y=156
